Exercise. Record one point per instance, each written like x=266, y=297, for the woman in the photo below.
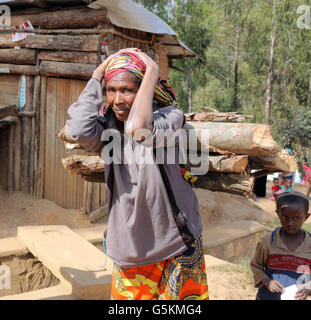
x=155, y=254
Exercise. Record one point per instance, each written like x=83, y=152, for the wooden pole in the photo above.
x=89, y=197
x=26, y=138
x=36, y=127
x=17, y=155
x=10, y=160
x=41, y=146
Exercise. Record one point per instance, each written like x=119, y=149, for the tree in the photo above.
x=270, y=77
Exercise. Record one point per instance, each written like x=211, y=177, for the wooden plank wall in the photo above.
x=4, y=140
x=69, y=191
x=9, y=89
x=9, y=94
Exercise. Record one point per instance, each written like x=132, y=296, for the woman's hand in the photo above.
x=150, y=63
x=99, y=72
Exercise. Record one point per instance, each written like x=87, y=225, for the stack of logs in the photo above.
x=233, y=149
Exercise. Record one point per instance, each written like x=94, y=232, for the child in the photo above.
x=279, y=254
x=307, y=177
x=276, y=189
x=287, y=185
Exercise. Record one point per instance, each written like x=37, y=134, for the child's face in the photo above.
x=276, y=182
x=288, y=183
x=292, y=218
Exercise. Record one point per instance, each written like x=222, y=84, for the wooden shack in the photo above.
x=43, y=74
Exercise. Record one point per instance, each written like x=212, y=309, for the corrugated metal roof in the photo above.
x=130, y=15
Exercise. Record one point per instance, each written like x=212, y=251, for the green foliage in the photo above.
x=210, y=29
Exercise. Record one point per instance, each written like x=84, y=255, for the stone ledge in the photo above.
x=60, y=292
x=227, y=232
x=12, y=246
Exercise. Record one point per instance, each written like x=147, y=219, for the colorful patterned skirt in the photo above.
x=180, y=278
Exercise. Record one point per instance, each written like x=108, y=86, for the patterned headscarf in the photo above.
x=129, y=61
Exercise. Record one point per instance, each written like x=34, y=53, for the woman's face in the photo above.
x=121, y=91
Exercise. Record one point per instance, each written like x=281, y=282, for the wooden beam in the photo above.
x=68, y=70
x=226, y=164
x=19, y=69
x=74, y=18
x=63, y=42
x=21, y=56
x=70, y=56
x=38, y=3
x=8, y=110
x=282, y=161
x=239, y=138
x=77, y=164
x=6, y=41
x=7, y=121
x=96, y=177
x=29, y=114
x=226, y=182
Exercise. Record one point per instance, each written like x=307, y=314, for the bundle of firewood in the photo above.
x=233, y=150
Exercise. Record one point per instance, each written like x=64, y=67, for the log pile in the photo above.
x=233, y=150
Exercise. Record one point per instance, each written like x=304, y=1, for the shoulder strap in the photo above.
x=168, y=189
x=179, y=216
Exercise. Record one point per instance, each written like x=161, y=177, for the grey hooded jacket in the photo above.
x=141, y=227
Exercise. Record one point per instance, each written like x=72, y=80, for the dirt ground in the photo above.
x=226, y=282
x=20, y=209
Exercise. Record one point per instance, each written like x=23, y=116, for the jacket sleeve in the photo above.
x=166, y=124
x=82, y=124
x=258, y=263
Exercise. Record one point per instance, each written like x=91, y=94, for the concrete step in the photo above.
x=60, y=292
x=70, y=258
x=233, y=241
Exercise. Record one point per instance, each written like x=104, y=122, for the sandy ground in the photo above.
x=226, y=282
x=20, y=209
